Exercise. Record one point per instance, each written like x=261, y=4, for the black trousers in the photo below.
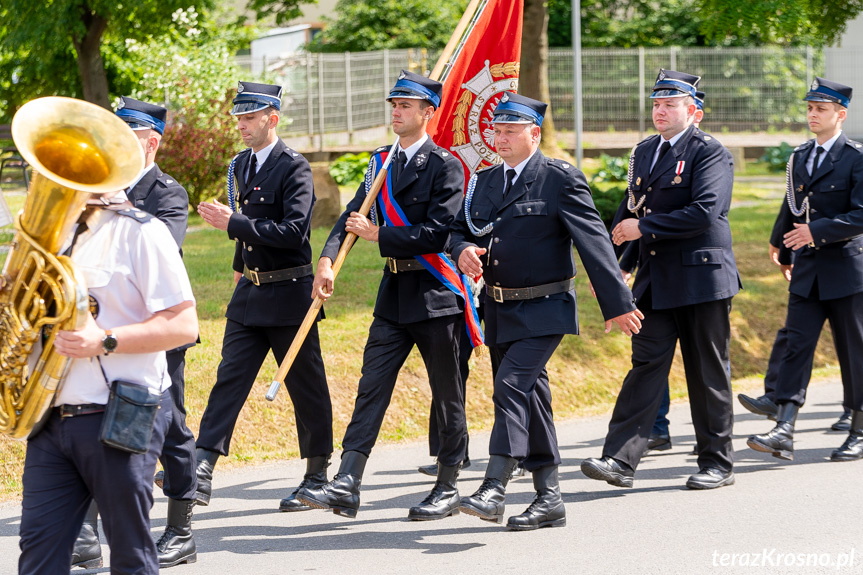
x=523, y=419
x=704, y=333
x=387, y=348
x=771, y=376
x=65, y=468
x=806, y=316
x=244, y=350
x=178, y=453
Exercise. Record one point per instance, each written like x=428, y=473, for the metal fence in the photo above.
x=748, y=89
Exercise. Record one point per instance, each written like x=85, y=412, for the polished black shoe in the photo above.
x=315, y=477
x=177, y=545
x=431, y=469
x=547, y=509
x=206, y=463
x=710, y=478
x=443, y=500
x=843, y=423
x=759, y=405
x=852, y=449
x=489, y=501
x=658, y=443
x=608, y=469
x=779, y=441
x=159, y=479
x=342, y=494
x=87, y=553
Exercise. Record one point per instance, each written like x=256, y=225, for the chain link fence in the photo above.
x=748, y=89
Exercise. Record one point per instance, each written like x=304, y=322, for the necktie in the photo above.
x=818, y=151
x=663, y=149
x=401, y=161
x=82, y=227
x=253, y=163
x=510, y=176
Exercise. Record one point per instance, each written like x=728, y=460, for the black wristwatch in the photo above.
x=109, y=342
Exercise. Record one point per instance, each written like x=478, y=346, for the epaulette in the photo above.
x=381, y=150
x=166, y=180
x=485, y=169
x=442, y=152
x=704, y=136
x=560, y=164
x=803, y=145
x=289, y=152
x=646, y=140
x=855, y=144
x=135, y=214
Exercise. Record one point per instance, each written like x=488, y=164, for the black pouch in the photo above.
x=129, y=417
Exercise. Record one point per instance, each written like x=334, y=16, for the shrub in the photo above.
x=350, y=169
x=607, y=198
x=611, y=169
x=776, y=157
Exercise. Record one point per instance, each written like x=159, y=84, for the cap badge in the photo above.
x=661, y=75
x=122, y=104
x=402, y=75
x=814, y=85
x=505, y=98
x=240, y=88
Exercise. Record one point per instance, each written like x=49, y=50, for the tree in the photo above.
x=283, y=11
x=43, y=39
x=363, y=25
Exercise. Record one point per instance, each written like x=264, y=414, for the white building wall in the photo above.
x=844, y=63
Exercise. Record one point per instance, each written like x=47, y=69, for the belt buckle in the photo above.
x=392, y=263
x=497, y=294
x=254, y=277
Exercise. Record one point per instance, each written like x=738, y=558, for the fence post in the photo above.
x=385, y=84
x=310, y=123
x=673, y=57
x=321, y=100
x=349, y=98
x=641, y=106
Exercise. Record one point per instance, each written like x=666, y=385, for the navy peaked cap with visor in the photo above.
x=141, y=115
x=415, y=87
x=823, y=90
x=516, y=109
x=699, y=100
x=252, y=97
x=673, y=84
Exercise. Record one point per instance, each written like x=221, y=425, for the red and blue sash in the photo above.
x=438, y=264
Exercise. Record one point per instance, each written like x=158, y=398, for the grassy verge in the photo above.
x=586, y=371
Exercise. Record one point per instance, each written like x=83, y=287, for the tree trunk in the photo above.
x=533, y=73
x=91, y=67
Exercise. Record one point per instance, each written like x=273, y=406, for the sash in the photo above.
x=439, y=265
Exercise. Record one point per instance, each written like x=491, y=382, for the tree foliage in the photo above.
x=361, y=25
x=282, y=11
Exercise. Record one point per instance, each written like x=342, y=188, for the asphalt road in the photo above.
x=781, y=517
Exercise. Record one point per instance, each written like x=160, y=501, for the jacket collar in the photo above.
x=415, y=165
x=142, y=188
x=524, y=181
x=832, y=156
x=669, y=160
x=261, y=176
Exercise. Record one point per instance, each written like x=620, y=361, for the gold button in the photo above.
x=653, y=236
x=262, y=199
x=245, y=201
x=650, y=189
x=653, y=253
x=823, y=241
x=249, y=248
x=257, y=269
x=476, y=214
x=705, y=259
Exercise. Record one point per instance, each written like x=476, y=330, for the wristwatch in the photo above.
x=109, y=342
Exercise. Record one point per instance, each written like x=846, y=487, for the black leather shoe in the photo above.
x=443, y=500
x=159, y=479
x=87, y=552
x=658, y=443
x=342, y=494
x=315, y=477
x=176, y=545
x=206, y=463
x=547, y=509
x=489, y=501
x=852, y=449
x=431, y=469
x=779, y=441
x=843, y=423
x=759, y=405
x=710, y=478
x=609, y=470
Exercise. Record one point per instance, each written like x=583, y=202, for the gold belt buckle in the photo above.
x=497, y=294
x=254, y=277
x=392, y=263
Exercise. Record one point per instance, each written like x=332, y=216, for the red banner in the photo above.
x=486, y=66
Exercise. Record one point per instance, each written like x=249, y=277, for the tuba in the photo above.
x=77, y=150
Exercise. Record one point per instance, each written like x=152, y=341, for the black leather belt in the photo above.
x=259, y=278
x=410, y=265
x=79, y=409
x=501, y=295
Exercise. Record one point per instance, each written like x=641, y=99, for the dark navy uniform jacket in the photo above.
x=272, y=228
x=548, y=209
x=685, y=253
x=159, y=194
x=835, y=192
x=430, y=191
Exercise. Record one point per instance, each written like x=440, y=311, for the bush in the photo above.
x=350, y=169
x=607, y=198
x=776, y=157
x=611, y=169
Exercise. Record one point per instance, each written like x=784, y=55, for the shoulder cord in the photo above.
x=370, y=176
x=232, y=194
x=468, y=199
x=631, y=204
x=789, y=192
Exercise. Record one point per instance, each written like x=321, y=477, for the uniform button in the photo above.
x=528, y=210
x=823, y=241
x=650, y=189
x=249, y=248
x=831, y=187
x=245, y=201
x=415, y=199
x=653, y=253
x=653, y=236
x=497, y=220
x=496, y=240
x=495, y=262
x=497, y=283
x=257, y=269
x=476, y=214
x=704, y=260
x=262, y=198
x=810, y=193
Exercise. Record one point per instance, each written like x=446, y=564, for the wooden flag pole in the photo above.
x=350, y=238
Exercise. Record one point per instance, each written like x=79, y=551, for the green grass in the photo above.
x=585, y=372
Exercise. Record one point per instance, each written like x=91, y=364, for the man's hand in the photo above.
x=237, y=276
x=786, y=271
x=798, y=237
x=625, y=231
x=324, y=280
x=629, y=323
x=625, y=275
x=216, y=214
x=773, y=252
x=81, y=343
x=363, y=227
x=469, y=262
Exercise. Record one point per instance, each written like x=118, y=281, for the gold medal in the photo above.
x=677, y=180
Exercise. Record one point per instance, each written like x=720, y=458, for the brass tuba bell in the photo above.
x=77, y=150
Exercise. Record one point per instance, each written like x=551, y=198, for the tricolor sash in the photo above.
x=439, y=265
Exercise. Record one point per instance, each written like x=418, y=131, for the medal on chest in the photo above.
x=677, y=171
